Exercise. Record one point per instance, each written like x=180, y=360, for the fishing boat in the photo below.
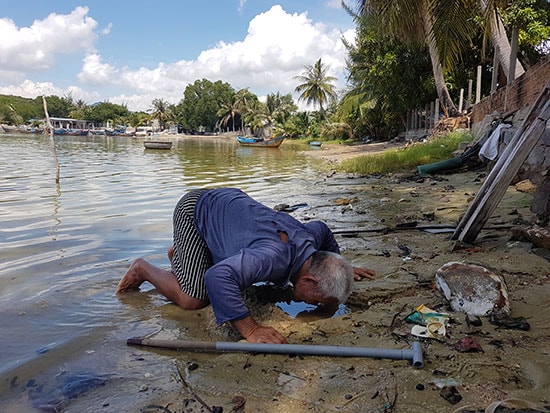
x=261, y=142
x=157, y=144
x=71, y=132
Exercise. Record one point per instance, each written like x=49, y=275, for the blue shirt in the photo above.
x=242, y=237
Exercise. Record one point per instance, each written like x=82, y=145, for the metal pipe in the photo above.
x=414, y=354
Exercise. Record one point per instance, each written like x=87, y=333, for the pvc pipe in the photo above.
x=414, y=354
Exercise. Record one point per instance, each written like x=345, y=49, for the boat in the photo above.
x=157, y=144
x=315, y=143
x=71, y=132
x=260, y=142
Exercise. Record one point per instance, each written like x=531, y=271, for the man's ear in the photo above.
x=309, y=278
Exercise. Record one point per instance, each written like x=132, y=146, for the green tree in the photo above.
x=136, y=119
x=227, y=112
x=317, y=87
x=412, y=21
x=80, y=110
x=244, y=102
x=161, y=112
x=101, y=113
x=16, y=109
x=280, y=107
x=59, y=107
x=380, y=91
x=257, y=117
x=201, y=102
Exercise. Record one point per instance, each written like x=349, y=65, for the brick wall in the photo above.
x=520, y=93
x=518, y=97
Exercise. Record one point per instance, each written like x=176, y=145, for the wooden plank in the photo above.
x=507, y=166
x=501, y=162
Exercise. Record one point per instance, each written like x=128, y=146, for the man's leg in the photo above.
x=164, y=281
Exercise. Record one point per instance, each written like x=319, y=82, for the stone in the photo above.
x=472, y=289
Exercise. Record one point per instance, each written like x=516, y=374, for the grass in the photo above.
x=405, y=159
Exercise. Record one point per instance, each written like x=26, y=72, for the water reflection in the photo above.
x=64, y=248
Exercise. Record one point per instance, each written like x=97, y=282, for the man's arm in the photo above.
x=256, y=333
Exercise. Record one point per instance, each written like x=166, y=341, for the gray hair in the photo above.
x=334, y=275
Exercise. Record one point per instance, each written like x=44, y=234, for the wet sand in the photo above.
x=513, y=364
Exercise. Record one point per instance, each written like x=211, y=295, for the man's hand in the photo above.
x=360, y=273
x=256, y=333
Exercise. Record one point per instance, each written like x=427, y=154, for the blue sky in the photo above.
x=133, y=52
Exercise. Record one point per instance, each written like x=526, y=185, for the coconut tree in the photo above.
x=317, y=88
x=161, y=111
x=80, y=110
x=414, y=21
x=244, y=101
x=280, y=107
x=227, y=112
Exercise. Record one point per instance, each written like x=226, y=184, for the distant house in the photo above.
x=68, y=123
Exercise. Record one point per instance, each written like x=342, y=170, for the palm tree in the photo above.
x=447, y=25
x=228, y=110
x=244, y=100
x=317, y=87
x=503, y=49
x=257, y=117
x=413, y=21
x=280, y=107
x=79, y=111
x=161, y=111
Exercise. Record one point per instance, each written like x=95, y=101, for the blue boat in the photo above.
x=261, y=142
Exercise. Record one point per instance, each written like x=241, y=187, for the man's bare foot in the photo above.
x=132, y=279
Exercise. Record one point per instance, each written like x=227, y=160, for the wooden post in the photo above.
x=461, y=101
x=426, y=117
x=494, y=78
x=436, y=112
x=470, y=86
x=478, y=84
x=513, y=55
x=49, y=128
x=506, y=167
x=432, y=116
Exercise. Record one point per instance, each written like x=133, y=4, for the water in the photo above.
x=64, y=247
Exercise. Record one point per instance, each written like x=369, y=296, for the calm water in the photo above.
x=64, y=247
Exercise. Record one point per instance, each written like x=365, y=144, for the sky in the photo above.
x=131, y=52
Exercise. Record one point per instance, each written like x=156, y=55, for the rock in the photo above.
x=539, y=236
x=450, y=394
x=472, y=289
x=526, y=186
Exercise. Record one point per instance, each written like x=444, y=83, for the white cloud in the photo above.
x=36, y=47
x=107, y=29
x=94, y=72
x=28, y=88
x=276, y=48
x=265, y=61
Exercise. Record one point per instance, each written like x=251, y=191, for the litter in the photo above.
x=429, y=323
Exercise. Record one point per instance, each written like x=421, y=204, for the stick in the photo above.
x=50, y=129
x=448, y=227
x=414, y=354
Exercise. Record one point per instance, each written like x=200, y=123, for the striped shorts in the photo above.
x=191, y=255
